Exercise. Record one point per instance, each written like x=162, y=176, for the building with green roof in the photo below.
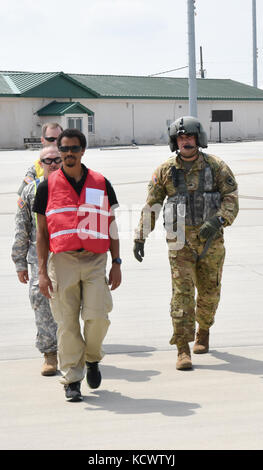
x=119, y=110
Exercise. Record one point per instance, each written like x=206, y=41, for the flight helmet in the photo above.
x=186, y=125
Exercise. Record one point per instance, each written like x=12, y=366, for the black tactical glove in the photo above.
x=138, y=250
x=209, y=228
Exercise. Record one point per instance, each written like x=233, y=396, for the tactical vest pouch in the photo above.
x=197, y=206
x=174, y=209
x=194, y=208
x=212, y=202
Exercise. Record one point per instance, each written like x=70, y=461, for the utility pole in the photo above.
x=255, y=52
x=192, y=85
x=202, y=72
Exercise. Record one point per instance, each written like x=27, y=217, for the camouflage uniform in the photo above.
x=189, y=272
x=32, y=174
x=24, y=253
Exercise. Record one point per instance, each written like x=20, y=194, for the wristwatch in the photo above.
x=117, y=261
x=221, y=220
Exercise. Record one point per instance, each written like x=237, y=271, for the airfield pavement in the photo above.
x=143, y=401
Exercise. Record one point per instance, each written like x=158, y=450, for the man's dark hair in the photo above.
x=71, y=133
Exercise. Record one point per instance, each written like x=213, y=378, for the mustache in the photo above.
x=187, y=146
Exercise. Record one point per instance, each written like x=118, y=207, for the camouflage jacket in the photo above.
x=24, y=246
x=29, y=177
x=162, y=186
x=33, y=173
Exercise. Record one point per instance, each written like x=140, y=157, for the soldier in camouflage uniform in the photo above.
x=204, y=188
x=24, y=253
x=50, y=133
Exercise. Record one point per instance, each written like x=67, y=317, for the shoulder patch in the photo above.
x=28, y=179
x=154, y=179
x=21, y=203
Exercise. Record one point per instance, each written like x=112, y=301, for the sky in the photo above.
x=130, y=37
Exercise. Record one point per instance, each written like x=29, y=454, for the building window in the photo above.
x=91, y=125
x=75, y=123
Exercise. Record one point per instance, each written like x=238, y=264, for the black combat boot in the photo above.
x=93, y=374
x=72, y=392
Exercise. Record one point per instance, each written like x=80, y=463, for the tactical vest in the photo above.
x=38, y=169
x=75, y=221
x=195, y=206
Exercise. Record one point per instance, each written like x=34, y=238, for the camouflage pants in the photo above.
x=46, y=340
x=189, y=276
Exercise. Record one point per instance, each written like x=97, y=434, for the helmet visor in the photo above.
x=184, y=132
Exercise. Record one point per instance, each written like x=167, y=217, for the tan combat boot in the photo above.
x=50, y=364
x=201, y=345
x=184, y=356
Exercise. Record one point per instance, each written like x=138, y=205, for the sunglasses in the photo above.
x=48, y=161
x=50, y=139
x=72, y=148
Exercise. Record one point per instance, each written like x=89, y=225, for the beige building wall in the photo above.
x=121, y=122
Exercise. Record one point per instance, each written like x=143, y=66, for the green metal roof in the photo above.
x=62, y=85
x=7, y=86
x=225, y=89
x=57, y=108
x=110, y=86
x=44, y=85
x=26, y=81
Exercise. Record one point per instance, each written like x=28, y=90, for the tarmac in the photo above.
x=143, y=401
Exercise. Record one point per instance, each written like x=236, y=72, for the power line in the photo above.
x=167, y=71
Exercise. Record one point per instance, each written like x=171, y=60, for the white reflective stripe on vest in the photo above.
x=77, y=230
x=91, y=209
x=62, y=209
x=75, y=209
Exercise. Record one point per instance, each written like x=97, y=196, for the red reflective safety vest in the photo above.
x=74, y=221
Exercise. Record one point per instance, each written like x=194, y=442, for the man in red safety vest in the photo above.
x=77, y=225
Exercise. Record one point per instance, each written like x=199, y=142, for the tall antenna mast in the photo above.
x=192, y=85
x=202, y=72
x=255, y=52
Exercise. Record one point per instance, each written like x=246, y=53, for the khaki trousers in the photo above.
x=79, y=286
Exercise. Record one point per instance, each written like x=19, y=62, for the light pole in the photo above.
x=254, y=29
x=192, y=85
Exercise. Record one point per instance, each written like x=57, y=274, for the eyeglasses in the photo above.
x=49, y=161
x=50, y=139
x=73, y=148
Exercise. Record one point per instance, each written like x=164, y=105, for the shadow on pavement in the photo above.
x=120, y=404
x=142, y=351
x=112, y=372
x=234, y=363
